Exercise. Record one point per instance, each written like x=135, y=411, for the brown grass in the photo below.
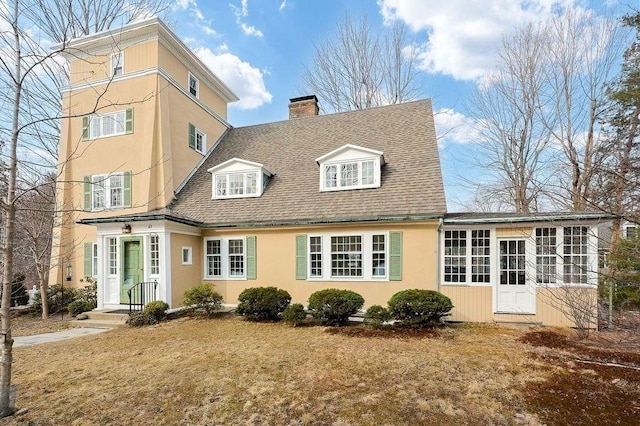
x=227, y=371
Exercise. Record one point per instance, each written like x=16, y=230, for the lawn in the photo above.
x=228, y=371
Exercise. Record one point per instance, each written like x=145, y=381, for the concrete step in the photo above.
x=89, y=323
x=106, y=316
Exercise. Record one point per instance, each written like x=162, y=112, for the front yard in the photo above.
x=228, y=371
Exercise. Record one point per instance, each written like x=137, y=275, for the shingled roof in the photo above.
x=411, y=179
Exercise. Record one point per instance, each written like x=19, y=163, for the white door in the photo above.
x=516, y=293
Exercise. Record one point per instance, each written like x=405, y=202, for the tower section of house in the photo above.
x=141, y=111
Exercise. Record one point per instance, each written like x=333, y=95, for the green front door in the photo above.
x=132, y=272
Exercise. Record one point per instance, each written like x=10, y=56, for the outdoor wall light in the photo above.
x=69, y=272
x=126, y=229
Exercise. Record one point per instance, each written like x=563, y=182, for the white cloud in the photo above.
x=246, y=81
x=463, y=36
x=283, y=5
x=241, y=13
x=454, y=127
x=184, y=4
x=209, y=31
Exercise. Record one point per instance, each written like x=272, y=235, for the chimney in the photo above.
x=305, y=106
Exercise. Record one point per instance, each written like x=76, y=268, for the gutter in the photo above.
x=529, y=219
x=140, y=218
x=438, y=248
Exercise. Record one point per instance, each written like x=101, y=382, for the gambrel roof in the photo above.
x=411, y=179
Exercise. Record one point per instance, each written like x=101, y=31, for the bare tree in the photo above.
x=357, y=68
x=508, y=105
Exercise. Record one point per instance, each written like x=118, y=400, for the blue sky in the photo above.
x=259, y=48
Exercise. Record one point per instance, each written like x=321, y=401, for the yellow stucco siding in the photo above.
x=276, y=262
x=184, y=277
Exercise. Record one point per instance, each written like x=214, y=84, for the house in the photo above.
x=172, y=194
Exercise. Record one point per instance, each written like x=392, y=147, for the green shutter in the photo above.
x=395, y=256
x=192, y=136
x=85, y=128
x=126, y=185
x=87, y=193
x=88, y=256
x=128, y=123
x=251, y=258
x=301, y=257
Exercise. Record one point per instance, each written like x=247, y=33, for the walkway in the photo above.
x=55, y=337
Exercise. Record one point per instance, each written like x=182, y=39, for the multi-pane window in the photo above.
x=455, y=256
x=546, y=243
x=213, y=258
x=236, y=258
x=378, y=256
x=480, y=258
x=349, y=175
x=113, y=256
x=229, y=185
x=630, y=232
x=575, y=250
x=200, y=142
x=512, y=262
x=107, y=191
x=194, y=85
x=94, y=260
x=111, y=124
x=154, y=254
x=117, y=63
x=346, y=256
x=315, y=256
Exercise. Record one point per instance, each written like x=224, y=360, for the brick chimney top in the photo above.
x=304, y=106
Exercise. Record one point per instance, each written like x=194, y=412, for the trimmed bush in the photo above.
x=376, y=316
x=419, y=308
x=294, y=314
x=203, y=297
x=58, y=297
x=333, y=306
x=263, y=303
x=153, y=313
x=79, y=306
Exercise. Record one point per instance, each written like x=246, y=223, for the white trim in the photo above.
x=121, y=63
x=227, y=163
x=367, y=151
x=197, y=88
x=189, y=251
x=203, y=137
x=101, y=117
x=360, y=166
x=102, y=182
x=224, y=259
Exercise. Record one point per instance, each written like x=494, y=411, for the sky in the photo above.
x=259, y=49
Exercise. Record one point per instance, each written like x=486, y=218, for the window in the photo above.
x=331, y=257
x=154, y=254
x=458, y=257
x=194, y=85
x=94, y=260
x=546, y=241
x=226, y=257
x=187, y=253
x=631, y=232
x=197, y=139
x=234, y=185
x=349, y=175
x=108, y=124
x=108, y=191
x=575, y=252
x=113, y=256
x=117, y=63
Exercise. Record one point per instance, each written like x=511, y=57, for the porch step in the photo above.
x=105, y=314
x=102, y=319
x=97, y=323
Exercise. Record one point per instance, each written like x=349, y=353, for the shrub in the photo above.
x=333, y=306
x=294, y=314
x=153, y=313
x=79, y=306
x=203, y=297
x=377, y=315
x=58, y=296
x=263, y=303
x=419, y=308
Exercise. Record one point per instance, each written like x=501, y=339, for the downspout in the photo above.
x=439, y=233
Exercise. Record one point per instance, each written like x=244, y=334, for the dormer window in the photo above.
x=350, y=167
x=238, y=178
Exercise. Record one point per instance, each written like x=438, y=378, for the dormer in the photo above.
x=350, y=167
x=237, y=178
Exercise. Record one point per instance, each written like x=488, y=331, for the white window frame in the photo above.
x=113, y=256
x=197, y=88
x=154, y=255
x=227, y=177
x=225, y=258
x=546, y=273
x=119, y=65
x=342, y=186
x=366, y=252
x=102, y=184
x=469, y=256
x=98, y=122
x=188, y=250
x=203, y=138
x=94, y=260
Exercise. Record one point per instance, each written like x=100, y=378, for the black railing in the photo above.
x=140, y=294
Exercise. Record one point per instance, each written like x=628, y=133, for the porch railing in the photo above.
x=140, y=294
